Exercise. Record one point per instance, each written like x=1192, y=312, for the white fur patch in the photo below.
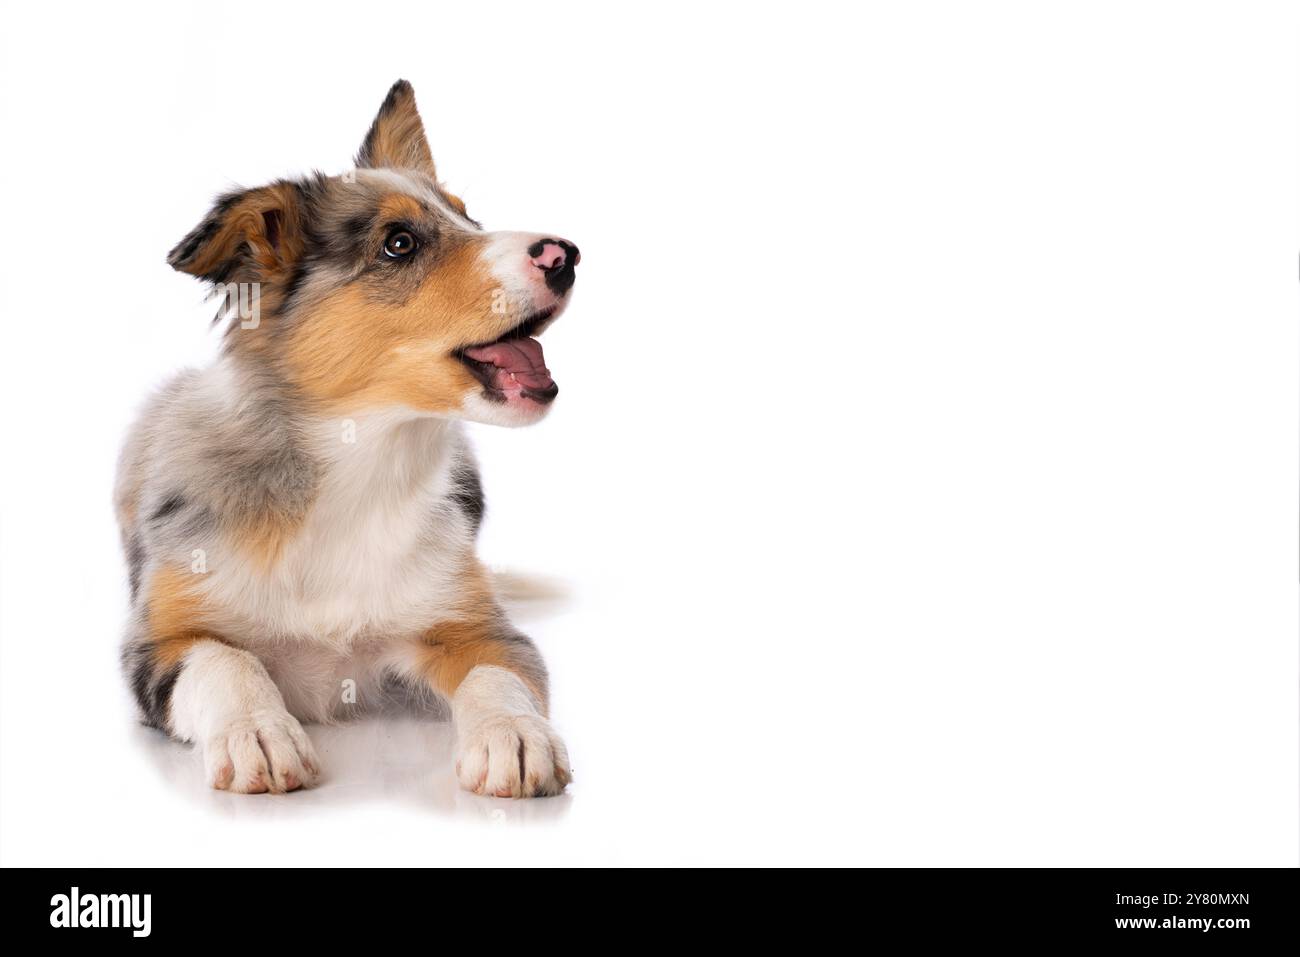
x=504, y=745
x=478, y=408
x=225, y=701
x=404, y=182
x=378, y=553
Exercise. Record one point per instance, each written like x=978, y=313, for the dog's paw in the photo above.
x=512, y=756
x=266, y=751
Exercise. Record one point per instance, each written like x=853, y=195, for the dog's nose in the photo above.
x=556, y=259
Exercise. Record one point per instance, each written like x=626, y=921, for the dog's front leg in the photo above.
x=200, y=689
x=496, y=682
x=197, y=687
x=226, y=702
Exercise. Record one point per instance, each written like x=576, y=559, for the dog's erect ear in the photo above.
x=396, y=137
x=251, y=234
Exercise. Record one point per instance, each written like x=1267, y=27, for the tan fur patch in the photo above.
x=449, y=650
x=264, y=539
x=176, y=617
x=456, y=203
x=268, y=220
x=358, y=350
x=397, y=138
x=453, y=648
x=399, y=206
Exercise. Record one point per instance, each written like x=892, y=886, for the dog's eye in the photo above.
x=399, y=243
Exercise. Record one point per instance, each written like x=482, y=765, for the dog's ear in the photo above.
x=251, y=234
x=396, y=137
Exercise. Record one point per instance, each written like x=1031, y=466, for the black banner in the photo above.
x=1184, y=906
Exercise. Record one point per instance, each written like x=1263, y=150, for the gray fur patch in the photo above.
x=210, y=454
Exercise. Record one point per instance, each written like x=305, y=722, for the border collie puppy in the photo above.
x=299, y=517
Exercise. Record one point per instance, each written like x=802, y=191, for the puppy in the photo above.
x=299, y=518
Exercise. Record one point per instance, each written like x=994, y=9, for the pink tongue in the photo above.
x=519, y=364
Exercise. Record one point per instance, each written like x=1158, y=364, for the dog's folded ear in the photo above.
x=251, y=234
x=396, y=138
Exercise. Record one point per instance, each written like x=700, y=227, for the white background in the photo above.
x=923, y=486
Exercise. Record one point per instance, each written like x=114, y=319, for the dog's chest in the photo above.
x=372, y=559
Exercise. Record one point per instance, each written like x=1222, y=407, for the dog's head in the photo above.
x=376, y=290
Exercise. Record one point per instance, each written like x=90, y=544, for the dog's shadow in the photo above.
x=399, y=754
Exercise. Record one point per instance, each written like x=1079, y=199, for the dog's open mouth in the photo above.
x=513, y=366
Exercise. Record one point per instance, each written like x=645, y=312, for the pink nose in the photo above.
x=556, y=259
x=552, y=256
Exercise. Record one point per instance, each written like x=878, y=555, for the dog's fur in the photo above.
x=299, y=518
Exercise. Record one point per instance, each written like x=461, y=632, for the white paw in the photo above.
x=512, y=756
x=264, y=751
